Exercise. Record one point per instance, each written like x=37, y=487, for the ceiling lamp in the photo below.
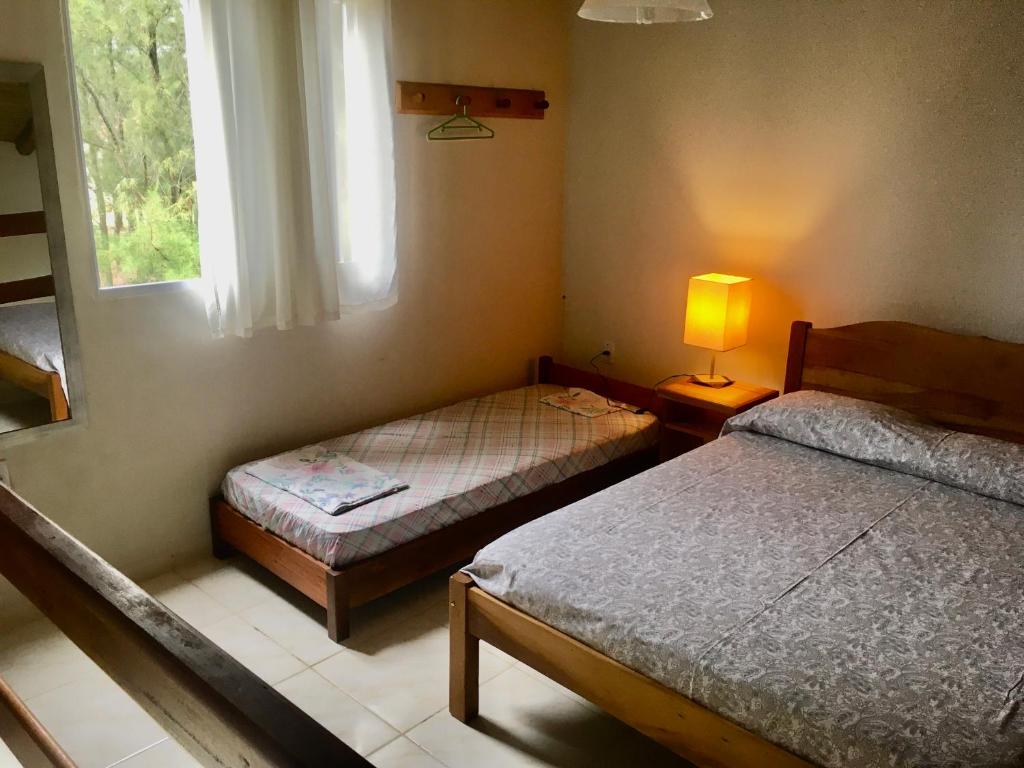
x=645, y=11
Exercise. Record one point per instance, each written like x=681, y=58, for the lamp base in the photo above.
x=711, y=380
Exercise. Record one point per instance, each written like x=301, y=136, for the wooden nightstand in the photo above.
x=693, y=415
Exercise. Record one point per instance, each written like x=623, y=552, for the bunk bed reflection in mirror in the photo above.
x=38, y=343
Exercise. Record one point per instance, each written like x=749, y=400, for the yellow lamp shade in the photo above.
x=717, y=311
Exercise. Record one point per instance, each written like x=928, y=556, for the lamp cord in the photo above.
x=604, y=379
x=669, y=378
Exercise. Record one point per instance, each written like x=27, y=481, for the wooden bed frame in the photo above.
x=972, y=384
x=340, y=590
x=22, y=373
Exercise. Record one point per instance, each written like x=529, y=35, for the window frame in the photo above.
x=100, y=291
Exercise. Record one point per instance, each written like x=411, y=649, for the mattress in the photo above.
x=30, y=332
x=458, y=461
x=847, y=586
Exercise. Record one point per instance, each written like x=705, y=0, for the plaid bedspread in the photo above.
x=458, y=461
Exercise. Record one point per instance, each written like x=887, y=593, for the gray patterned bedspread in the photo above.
x=863, y=611
x=30, y=332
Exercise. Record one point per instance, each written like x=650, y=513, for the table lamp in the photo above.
x=717, y=313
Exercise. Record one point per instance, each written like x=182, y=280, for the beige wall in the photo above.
x=170, y=408
x=27, y=255
x=860, y=160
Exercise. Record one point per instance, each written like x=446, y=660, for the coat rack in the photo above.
x=440, y=99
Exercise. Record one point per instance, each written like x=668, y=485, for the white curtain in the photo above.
x=293, y=128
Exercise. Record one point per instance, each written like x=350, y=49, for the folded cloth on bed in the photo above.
x=582, y=402
x=326, y=479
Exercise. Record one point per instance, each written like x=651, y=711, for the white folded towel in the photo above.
x=326, y=479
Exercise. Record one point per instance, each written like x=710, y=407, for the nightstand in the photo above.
x=693, y=414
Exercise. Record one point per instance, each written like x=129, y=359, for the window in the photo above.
x=136, y=129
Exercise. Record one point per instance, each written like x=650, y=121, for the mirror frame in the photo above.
x=34, y=76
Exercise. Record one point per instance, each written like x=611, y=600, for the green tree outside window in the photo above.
x=137, y=134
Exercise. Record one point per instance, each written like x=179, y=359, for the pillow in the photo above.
x=888, y=437
x=981, y=464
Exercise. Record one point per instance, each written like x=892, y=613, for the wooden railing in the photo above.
x=25, y=736
x=213, y=706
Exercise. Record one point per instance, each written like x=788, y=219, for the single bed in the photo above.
x=831, y=583
x=31, y=354
x=476, y=469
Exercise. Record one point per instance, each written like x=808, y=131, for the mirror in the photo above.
x=37, y=335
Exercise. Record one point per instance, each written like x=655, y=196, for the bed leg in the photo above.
x=464, y=662
x=220, y=548
x=337, y=607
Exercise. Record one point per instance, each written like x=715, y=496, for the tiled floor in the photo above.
x=384, y=693
x=7, y=759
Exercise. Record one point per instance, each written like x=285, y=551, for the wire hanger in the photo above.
x=459, y=122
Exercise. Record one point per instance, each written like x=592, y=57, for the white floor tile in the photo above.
x=95, y=721
x=166, y=754
x=202, y=566
x=402, y=753
x=186, y=599
x=293, y=629
x=255, y=650
x=498, y=652
x=401, y=673
x=524, y=722
x=390, y=677
x=7, y=758
x=557, y=686
x=340, y=714
x=37, y=658
x=232, y=583
x=427, y=596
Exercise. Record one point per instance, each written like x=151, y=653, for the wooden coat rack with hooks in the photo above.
x=481, y=101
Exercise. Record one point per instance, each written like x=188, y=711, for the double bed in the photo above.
x=475, y=470
x=834, y=582
x=31, y=354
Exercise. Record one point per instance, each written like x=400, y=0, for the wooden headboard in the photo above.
x=969, y=383
x=31, y=288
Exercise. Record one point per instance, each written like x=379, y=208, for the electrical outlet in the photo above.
x=5, y=473
x=609, y=347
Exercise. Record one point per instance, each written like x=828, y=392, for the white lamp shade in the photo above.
x=645, y=11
